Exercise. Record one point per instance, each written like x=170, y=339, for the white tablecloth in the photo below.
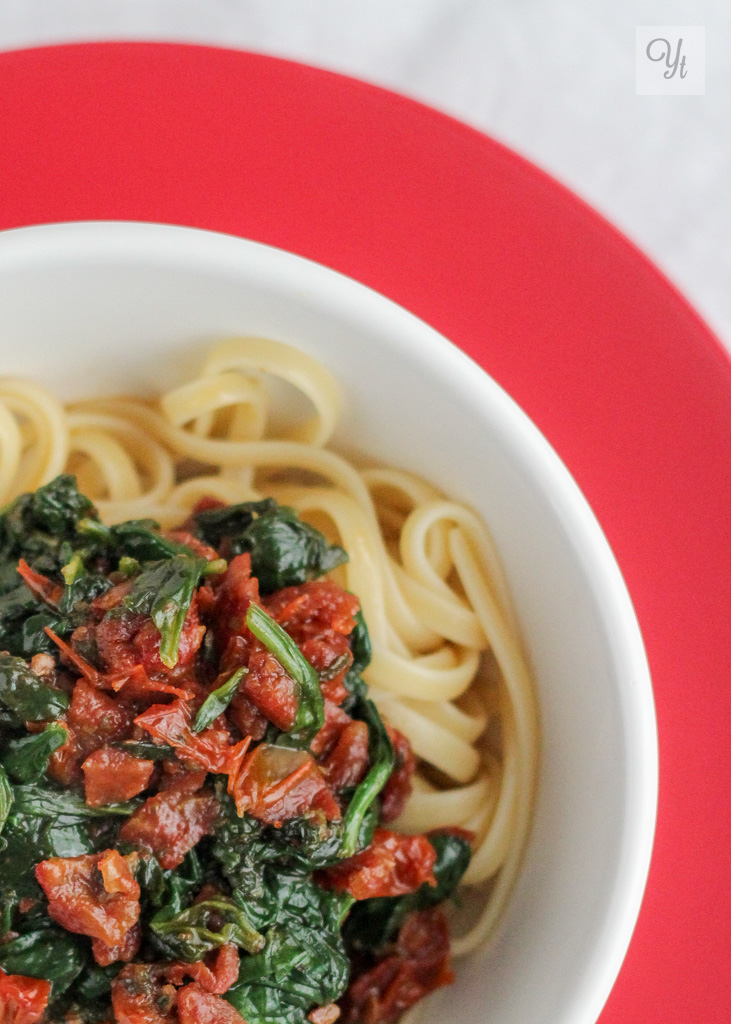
x=554, y=79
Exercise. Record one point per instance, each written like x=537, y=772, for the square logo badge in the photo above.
x=670, y=60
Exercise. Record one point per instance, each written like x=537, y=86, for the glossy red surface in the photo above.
x=610, y=362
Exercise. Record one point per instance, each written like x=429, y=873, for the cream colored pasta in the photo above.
x=448, y=668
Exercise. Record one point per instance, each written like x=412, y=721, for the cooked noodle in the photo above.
x=424, y=568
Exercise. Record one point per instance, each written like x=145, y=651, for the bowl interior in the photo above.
x=108, y=308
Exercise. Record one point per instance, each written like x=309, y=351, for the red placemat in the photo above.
x=602, y=353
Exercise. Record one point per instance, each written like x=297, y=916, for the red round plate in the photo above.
x=595, y=345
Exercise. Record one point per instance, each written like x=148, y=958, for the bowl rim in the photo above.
x=189, y=247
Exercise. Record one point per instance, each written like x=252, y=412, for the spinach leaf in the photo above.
x=26, y=759
x=48, y=952
x=40, y=801
x=264, y=1004
x=308, y=966
x=284, y=550
x=147, y=750
x=206, y=925
x=310, y=703
x=382, y=759
x=25, y=695
x=373, y=923
x=360, y=645
x=164, y=591
x=6, y=798
x=95, y=982
x=16, y=604
x=218, y=700
x=141, y=539
x=38, y=524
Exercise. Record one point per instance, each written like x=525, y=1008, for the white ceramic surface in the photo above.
x=89, y=308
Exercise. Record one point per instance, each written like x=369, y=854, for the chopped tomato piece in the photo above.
x=335, y=721
x=79, y=902
x=170, y=723
x=236, y=590
x=398, y=788
x=319, y=616
x=113, y=776
x=40, y=586
x=117, y=873
x=22, y=1000
x=112, y=598
x=216, y=978
x=125, y=641
x=126, y=950
x=93, y=719
x=270, y=688
x=196, y=1006
x=347, y=764
x=275, y=784
x=312, y=609
x=198, y=547
x=147, y=642
x=171, y=823
x=392, y=865
x=138, y=997
x=247, y=717
x=384, y=993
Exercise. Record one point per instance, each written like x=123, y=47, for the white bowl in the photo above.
x=110, y=307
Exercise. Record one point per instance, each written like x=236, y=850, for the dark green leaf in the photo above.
x=284, y=550
x=49, y=953
x=96, y=982
x=41, y=801
x=147, y=750
x=190, y=934
x=6, y=798
x=26, y=759
x=310, y=703
x=24, y=694
x=382, y=759
x=217, y=701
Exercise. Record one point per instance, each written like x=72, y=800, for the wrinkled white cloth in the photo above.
x=554, y=79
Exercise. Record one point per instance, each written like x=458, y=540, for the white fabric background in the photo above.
x=554, y=79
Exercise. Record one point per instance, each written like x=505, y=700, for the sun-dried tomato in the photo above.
x=216, y=976
x=147, y=642
x=398, y=788
x=126, y=950
x=22, y=1000
x=79, y=901
x=113, y=776
x=311, y=609
x=269, y=687
x=198, y=547
x=139, y=996
x=276, y=783
x=92, y=720
x=170, y=723
x=420, y=964
x=235, y=591
x=347, y=764
x=335, y=721
x=171, y=823
x=392, y=865
x=196, y=1006
x=319, y=616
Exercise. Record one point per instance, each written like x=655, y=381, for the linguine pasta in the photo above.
x=448, y=668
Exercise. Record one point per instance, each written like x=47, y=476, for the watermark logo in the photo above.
x=670, y=60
